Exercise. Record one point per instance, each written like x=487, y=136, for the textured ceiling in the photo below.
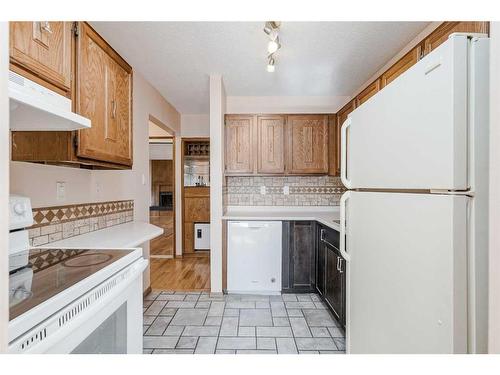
x=316, y=59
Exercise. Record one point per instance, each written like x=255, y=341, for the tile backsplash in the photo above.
x=58, y=222
x=303, y=191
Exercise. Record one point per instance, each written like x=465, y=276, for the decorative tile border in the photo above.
x=61, y=214
x=60, y=222
x=303, y=191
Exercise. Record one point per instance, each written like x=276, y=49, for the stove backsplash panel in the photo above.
x=58, y=222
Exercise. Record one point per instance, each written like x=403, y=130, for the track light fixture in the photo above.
x=271, y=28
x=270, y=65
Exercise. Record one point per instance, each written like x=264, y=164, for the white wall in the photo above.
x=4, y=185
x=39, y=181
x=217, y=111
x=494, y=245
x=195, y=125
x=285, y=104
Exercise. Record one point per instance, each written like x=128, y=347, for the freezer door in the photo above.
x=413, y=134
x=406, y=272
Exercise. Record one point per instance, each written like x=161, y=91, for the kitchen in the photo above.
x=310, y=242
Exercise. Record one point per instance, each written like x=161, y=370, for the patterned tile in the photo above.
x=303, y=329
x=55, y=223
x=303, y=191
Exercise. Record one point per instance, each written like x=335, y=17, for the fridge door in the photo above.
x=413, y=134
x=406, y=272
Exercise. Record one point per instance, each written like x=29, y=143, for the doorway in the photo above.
x=162, y=189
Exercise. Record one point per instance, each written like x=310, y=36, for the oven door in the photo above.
x=107, y=319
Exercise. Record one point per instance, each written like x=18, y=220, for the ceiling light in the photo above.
x=270, y=65
x=271, y=28
x=273, y=46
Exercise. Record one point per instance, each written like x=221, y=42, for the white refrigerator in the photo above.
x=414, y=220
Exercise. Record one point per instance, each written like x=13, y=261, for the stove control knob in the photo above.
x=19, y=208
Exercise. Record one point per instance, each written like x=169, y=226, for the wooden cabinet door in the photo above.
x=438, y=36
x=302, y=255
x=270, y=144
x=368, y=92
x=197, y=209
x=307, y=151
x=333, y=145
x=341, y=117
x=402, y=65
x=320, y=267
x=239, y=150
x=333, y=282
x=44, y=49
x=104, y=89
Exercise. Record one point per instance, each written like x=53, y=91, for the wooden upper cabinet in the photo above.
x=239, y=145
x=438, y=36
x=270, y=144
x=42, y=49
x=307, y=151
x=401, y=66
x=104, y=95
x=333, y=145
x=341, y=117
x=368, y=92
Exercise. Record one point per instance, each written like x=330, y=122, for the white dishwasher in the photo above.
x=254, y=257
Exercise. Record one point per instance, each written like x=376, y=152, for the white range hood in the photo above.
x=36, y=108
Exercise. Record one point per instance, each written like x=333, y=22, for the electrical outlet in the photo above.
x=262, y=190
x=61, y=190
x=286, y=189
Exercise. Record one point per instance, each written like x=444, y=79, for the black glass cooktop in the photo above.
x=50, y=271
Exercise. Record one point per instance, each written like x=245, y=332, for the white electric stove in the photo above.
x=71, y=300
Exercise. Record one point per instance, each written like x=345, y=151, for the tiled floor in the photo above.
x=195, y=322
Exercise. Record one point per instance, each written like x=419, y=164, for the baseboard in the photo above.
x=147, y=291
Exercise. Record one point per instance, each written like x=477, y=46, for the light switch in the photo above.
x=262, y=190
x=286, y=189
x=61, y=190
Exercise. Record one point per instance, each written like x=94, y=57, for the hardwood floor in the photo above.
x=163, y=245
x=181, y=274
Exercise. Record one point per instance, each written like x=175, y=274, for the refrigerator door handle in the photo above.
x=343, y=200
x=343, y=155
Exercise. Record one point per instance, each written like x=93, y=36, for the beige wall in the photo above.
x=217, y=111
x=494, y=245
x=4, y=184
x=39, y=181
x=195, y=125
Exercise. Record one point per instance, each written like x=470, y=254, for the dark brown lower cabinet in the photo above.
x=330, y=272
x=298, y=269
x=335, y=282
x=320, y=267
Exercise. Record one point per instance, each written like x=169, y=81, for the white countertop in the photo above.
x=126, y=235
x=322, y=214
